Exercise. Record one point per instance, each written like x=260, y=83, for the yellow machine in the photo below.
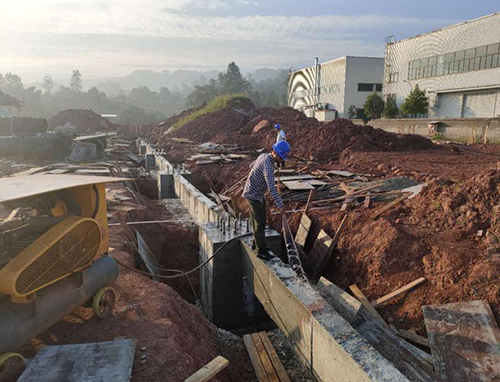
x=79, y=235
x=53, y=248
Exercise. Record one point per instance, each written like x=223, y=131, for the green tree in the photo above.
x=12, y=84
x=416, y=103
x=391, y=107
x=233, y=82
x=374, y=106
x=47, y=84
x=75, y=83
x=203, y=94
x=352, y=112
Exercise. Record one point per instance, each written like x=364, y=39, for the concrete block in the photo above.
x=223, y=293
x=150, y=161
x=166, y=186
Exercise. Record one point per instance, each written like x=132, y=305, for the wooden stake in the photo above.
x=397, y=292
x=364, y=301
x=209, y=370
x=387, y=207
x=309, y=200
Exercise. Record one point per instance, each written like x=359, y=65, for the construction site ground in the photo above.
x=448, y=233
x=173, y=337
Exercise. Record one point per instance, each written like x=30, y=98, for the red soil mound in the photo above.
x=469, y=205
x=322, y=142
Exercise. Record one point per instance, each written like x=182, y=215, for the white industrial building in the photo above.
x=458, y=66
x=328, y=90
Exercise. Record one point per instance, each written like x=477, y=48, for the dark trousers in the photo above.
x=258, y=212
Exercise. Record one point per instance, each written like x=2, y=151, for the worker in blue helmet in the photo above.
x=259, y=180
x=281, y=133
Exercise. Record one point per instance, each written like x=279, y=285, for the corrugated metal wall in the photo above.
x=472, y=34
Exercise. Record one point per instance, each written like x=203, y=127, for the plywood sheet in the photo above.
x=465, y=341
x=298, y=185
x=14, y=188
x=295, y=177
x=95, y=362
x=303, y=231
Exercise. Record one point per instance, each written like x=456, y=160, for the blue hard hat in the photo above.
x=282, y=148
x=277, y=126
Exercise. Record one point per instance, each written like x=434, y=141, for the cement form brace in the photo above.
x=327, y=343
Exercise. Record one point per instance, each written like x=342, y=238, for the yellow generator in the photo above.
x=53, y=254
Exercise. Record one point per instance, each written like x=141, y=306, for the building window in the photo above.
x=365, y=87
x=378, y=87
x=480, y=58
x=393, y=77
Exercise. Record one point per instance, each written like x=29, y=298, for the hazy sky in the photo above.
x=106, y=38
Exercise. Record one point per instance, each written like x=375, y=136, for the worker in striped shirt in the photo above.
x=261, y=179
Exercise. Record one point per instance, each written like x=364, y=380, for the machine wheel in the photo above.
x=12, y=365
x=104, y=302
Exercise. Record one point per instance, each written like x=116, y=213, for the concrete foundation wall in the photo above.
x=199, y=206
x=454, y=129
x=324, y=340
x=238, y=289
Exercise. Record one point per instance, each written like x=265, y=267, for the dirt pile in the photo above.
x=84, y=120
x=324, y=142
x=173, y=335
x=218, y=125
x=309, y=138
x=468, y=205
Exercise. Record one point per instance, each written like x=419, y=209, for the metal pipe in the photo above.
x=19, y=323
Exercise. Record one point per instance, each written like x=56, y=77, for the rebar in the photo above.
x=291, y=250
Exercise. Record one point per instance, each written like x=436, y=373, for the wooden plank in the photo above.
x=408, y=359
x=271, y=352
x=94, y=362
x=366, y=204
x=264, y=357
x=12, y=215
x=413, y=337
x=309, y=200
x=465, y=341
x=317, y=265
x=315, y=182
x=387, y=207
x=320, y=251
x=295, y=177
x=303, y=230
x=210, y=370
x=254, y=357
x=219, y=201
x=364, y=301
x=346, y=189
x=397, y=292
x=298, y=185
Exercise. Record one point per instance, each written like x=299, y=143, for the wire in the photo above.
x=176, y=270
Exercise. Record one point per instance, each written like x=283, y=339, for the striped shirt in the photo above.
x=281, y=136
x=260, y=179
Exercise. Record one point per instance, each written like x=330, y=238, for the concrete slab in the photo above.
x=102, y=361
